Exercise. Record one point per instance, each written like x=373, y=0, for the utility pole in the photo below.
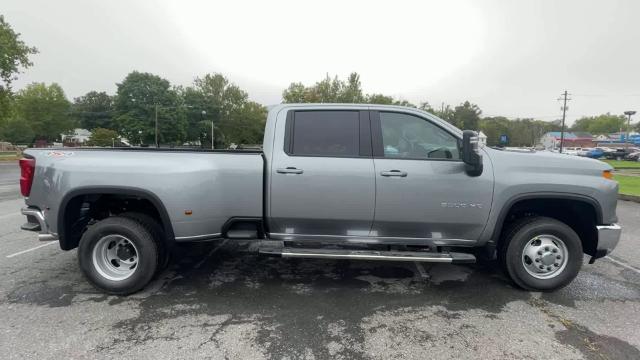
x=157, y=143
x=564, y=115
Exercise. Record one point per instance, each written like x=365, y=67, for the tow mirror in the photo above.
x=471, y=153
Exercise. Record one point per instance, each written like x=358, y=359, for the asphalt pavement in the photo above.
x=9, y=180
x=221, y=300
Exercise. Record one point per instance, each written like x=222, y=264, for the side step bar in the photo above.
x=289, y=252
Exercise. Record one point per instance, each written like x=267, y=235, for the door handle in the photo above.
x=289, y=170
x=397, y=173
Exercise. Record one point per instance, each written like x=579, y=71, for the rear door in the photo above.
x=322, y=183
x=422, y=189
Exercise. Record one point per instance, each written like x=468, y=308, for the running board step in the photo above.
x=451, y=257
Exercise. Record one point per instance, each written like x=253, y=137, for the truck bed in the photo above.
x=200, y=189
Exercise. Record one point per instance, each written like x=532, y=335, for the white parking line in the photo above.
x=623, y=264
x=33, y=248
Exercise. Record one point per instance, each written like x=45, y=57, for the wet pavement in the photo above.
x=221, y=300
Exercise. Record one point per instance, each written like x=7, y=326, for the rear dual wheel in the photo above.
x=120, y=255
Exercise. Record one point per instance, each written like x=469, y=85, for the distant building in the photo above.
x=619, y=139
x=551, y=140
x=482, y=138
x=77, y=138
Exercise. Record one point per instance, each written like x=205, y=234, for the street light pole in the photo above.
x=204, y=113
x=629, y=113
x=157, y=144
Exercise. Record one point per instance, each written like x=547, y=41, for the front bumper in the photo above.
x=37, y=222
x=608, y=237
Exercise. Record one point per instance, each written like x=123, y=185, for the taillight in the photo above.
x=27, y=169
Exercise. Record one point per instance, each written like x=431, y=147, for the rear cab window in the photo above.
x=328, y=133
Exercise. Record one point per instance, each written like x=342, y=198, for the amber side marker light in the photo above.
x=607, y=174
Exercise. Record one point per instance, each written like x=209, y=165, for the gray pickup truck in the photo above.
x=337, y=181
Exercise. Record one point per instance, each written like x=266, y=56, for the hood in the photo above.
x=546, y=161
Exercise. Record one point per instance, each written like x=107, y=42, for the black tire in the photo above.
x=510, y=252
x=138, y=235
x=158, y=234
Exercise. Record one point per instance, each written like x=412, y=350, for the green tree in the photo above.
x=246, y=125
x=94, y=110
x=45, y=109
x=493, y=127
x=102, y=137
x=446, y=113
x=351, y=90
x=198, y=124
x=295, y=93
x=427, y=107
x=521, y=132
x=601, y=124
x=405, y=103
x=334, y=90
x=138, y=98
x=379, y=99
x=237, y=119
x=17, y=131
x=467, y=116
x=14, y=56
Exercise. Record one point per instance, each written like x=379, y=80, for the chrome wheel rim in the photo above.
x=545, y=256
x=115, y=257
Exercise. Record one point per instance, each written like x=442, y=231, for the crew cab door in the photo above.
x=422, y=189
x=322, y=183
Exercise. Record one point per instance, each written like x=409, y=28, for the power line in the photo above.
x=606, y=95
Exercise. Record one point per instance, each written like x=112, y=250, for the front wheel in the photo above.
x=541, y=254
x=118, y=255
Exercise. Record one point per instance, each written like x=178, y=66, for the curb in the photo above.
x=634, y=198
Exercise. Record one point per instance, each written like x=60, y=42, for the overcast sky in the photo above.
x=512, y=58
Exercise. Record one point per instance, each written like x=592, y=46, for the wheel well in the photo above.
x=580, y=215
x=80, y=211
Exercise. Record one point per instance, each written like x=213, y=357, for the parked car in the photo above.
x=583, y=151
x=571, y=151
x=333, y=182
x=594, y=153
x=616, y=154
x=634, y=156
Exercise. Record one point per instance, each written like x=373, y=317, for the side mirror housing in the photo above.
x=471, y=153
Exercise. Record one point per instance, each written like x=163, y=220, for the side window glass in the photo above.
x=410, y=137
x=326, y=133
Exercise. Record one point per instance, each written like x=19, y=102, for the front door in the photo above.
x=322, y=180
x=422, y=189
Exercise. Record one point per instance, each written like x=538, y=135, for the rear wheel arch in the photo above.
x=559, y=206
x=73, y=201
